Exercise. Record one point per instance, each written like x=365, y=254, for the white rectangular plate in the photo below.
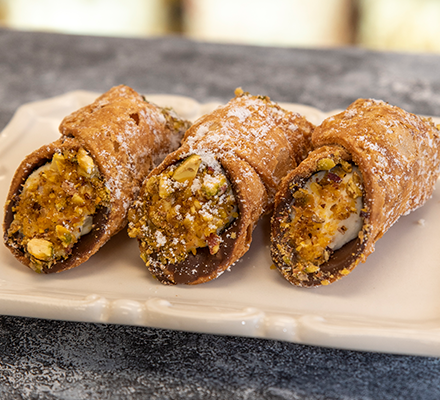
x=390, y=304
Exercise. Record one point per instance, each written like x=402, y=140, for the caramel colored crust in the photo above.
x=124, y=134
x=398, y=155
x=271, y=140
x=257, y=143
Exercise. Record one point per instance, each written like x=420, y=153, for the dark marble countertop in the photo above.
x=45, y=359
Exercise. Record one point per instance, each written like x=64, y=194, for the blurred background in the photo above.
x=396, y=25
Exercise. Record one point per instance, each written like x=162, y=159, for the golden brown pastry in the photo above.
x=69, y=197
x=371, y=164
x=196, y=211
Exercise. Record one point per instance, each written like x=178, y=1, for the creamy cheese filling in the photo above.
x=185, y=208
x=56, y=207
x=35, y=183
x=338, y=231
x=326, y=214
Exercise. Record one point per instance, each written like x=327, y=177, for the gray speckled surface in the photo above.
x=65, y=360
x=41, y=359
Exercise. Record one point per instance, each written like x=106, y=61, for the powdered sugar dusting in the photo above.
x=160, y=238
x=397, y=152
x=253, y=129
x=241, y=113
x=127, y=136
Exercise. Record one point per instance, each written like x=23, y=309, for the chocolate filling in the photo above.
x=202, y=264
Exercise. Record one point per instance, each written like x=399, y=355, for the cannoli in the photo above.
x=370, y=165
x=196, y=211
x=69, y=197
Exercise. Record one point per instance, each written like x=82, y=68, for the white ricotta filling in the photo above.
x=33, y=183
x=341, y=231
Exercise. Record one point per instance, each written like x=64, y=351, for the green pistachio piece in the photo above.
x=187, y=170
x=86, y=165
x=40, y=248
x=325, y=164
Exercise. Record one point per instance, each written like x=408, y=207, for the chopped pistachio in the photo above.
x=346, y=166
x=311, y=269
x=325, y=164
x=193, y=218
x=85, y=162
x=151, y=183
x=325, y=214
x=63, y=234
x=56, y=207
x=165, y=188
x=287, y=260
x=40, y=248
x=354, y=188
x=77, y=200
x=58, y=161
x=211, y=186
x=239, y=92
x=213, y=243
x=187, y=170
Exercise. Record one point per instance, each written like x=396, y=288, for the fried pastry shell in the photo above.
x=398, y=155
x=256, y=143
x=125, y=135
